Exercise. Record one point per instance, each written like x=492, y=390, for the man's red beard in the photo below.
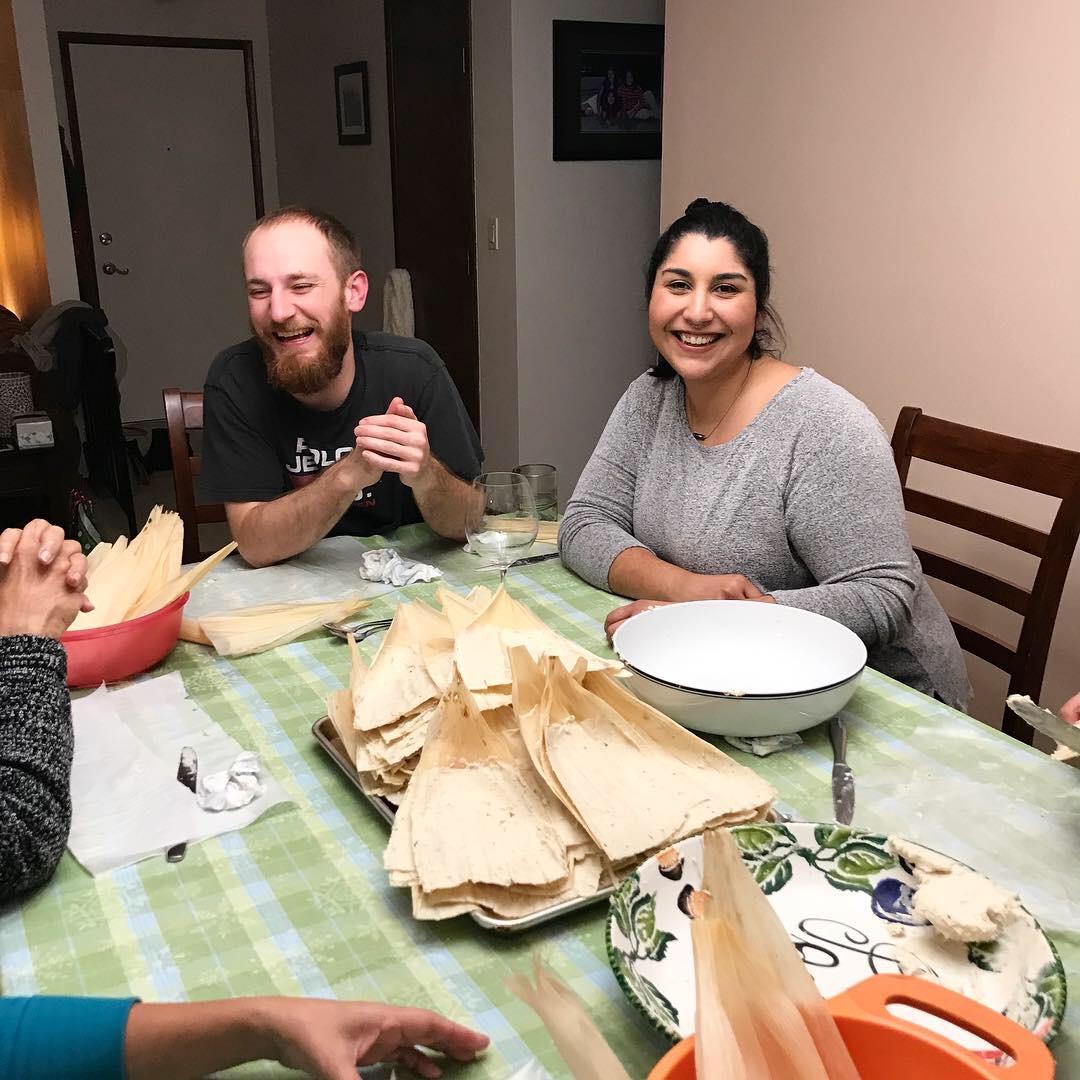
x=287, y=370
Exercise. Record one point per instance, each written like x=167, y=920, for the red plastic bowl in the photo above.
x=111, y=653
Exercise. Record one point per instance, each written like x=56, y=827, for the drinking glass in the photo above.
x=501, y=521
x=544, y=481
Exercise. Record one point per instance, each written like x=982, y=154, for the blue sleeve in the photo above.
x=50, y=1038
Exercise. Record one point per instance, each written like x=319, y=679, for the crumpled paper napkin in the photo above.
x=387, y=566
x=127, y=804
x=231, y=788
x=763, y=745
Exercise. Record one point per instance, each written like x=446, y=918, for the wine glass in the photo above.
x=501, y=521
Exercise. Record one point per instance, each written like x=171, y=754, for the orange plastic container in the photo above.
x=886, y=1047
x=111, y=653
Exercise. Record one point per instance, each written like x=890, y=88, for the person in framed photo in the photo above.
x=635, y=101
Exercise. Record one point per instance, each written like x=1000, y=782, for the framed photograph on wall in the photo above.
x=353, y=110
x=607, y=89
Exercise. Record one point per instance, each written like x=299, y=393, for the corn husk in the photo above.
x=182, y=584
x=122, y=577
x=759, y=1014
x=576, y=1037
x=255, y=629
x=468, y=774
x=681, y=784
x=548, y=532
x=399, y=684
x=481, y=649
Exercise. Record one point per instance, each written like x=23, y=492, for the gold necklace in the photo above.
x=742, y=386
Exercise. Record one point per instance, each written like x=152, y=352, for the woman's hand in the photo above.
x=617, y=616
x=693, y=587
x=42, y=581
x=329, y=1039
x=1070, y=711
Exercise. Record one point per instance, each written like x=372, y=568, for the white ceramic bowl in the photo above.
x=740, y=668
x=747, y=716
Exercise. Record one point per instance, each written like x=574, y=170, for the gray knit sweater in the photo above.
x=36, y=746
x=805, y=502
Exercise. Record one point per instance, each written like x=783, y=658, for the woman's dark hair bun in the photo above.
x=697, y=204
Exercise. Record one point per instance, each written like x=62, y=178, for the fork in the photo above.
x=359, y=630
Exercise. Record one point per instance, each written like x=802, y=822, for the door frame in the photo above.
x=85, y=259
x=471, y=395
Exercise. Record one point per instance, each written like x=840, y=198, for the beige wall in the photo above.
x=24, y=279
x=350, y=182
x=916, y=167
x=582, y=233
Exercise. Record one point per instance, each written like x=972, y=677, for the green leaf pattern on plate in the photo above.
x=1050, y=991
x=635, y=916
x=646, y=992
x=848, y=860
x=983, y=954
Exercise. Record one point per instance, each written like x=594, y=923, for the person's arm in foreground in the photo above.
x=42, y=578
x=268, y=532
x=398, y=442
x=98, y=1039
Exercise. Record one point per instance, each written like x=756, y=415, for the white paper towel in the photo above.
x=127, y=804
x=387, y=566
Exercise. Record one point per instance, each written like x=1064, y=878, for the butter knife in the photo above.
x=843, y=780
x=1045, y=721
x=187, y=773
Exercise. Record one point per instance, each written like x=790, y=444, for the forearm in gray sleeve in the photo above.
x=36, y=748
x=875, y=602
x=845, y=518
x=598, y=524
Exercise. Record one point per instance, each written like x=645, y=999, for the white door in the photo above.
x=167, y=158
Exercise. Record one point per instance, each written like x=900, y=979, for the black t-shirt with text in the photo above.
x=259, y=443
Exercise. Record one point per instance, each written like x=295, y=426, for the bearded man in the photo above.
x=314, y=429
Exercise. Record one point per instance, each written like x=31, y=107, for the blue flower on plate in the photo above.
x=892, y=901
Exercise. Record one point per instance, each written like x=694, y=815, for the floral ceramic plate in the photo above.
x=845, y=899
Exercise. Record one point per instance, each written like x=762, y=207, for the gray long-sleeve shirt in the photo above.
x=804, y=501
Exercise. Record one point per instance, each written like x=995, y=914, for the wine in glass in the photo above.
x=501, y=521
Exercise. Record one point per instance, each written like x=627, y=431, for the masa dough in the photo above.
x=960, y=904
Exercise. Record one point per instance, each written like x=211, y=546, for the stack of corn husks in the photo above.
x=125, y=581
x=243, y=631
x=525, y=774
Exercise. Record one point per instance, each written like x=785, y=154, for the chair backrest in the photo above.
x=1033, y=467
x=184, y=413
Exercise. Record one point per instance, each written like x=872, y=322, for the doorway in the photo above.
x=165, y=178
x=431, y=160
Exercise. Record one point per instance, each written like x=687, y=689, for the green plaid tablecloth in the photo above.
x=298, y=903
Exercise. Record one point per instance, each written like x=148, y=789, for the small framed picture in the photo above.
x=353, y=110
x=607, y=90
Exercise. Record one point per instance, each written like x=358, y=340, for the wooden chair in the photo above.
x=1022, y=464
x=184, y=413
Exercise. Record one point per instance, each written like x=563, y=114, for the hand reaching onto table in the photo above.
x=42, y=580
x=706, y=587
x=327, y=1040
x=1070, y=711
x=330, y=1039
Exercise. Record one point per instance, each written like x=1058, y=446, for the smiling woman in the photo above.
x=724, y=473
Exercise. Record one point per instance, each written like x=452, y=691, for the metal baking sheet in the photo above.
x=327, y=738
